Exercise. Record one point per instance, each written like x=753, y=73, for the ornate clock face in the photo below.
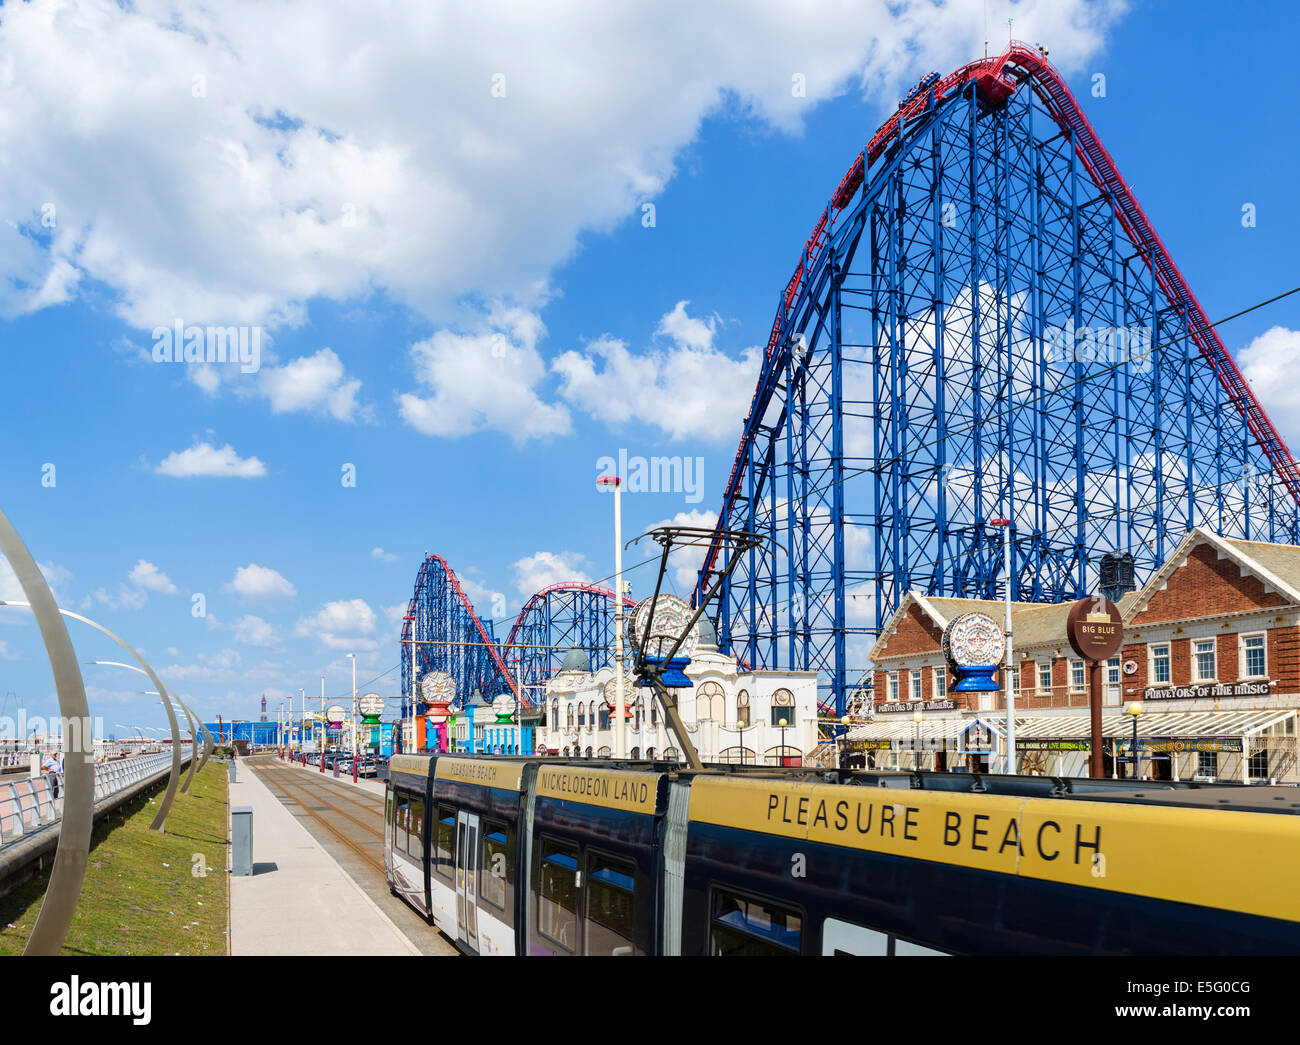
x=372, y=704
x=657, y=637
x=437, y=685
x=974, y=640
x=503, y=704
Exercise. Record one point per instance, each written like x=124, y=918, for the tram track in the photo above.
x=294, y=787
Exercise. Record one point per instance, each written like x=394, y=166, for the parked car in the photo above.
x=367, y=767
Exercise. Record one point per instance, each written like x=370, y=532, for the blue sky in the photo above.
x=460, y=295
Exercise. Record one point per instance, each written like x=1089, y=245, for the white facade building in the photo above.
x=726, y=704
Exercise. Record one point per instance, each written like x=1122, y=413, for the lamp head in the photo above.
x=1134, y=708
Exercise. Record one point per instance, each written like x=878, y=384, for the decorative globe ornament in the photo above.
x=656, y=637
x=503, y=706
x=974, y=646
x=438, y=686
x=610, y=693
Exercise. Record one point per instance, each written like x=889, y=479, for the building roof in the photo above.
x=1032, y=623
x=1277, y=566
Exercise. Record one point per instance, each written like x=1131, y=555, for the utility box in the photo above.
x=241, y=840
x=230, y=768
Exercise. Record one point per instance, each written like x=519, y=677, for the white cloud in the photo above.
x=205, y=460
x=341, y=625
x=314, y=383
x=56, y=576
x=543, y=569
x=382, y=556
x=147, y=575
x=687, y=388
x=254, y=631
x=483, y=379
x=125, y=599
x=488, y=602
x=223, y=666
x=253, y=185
x=259, y=582
x=685, y=562
x=1268, y=363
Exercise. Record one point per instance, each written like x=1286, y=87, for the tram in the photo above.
x=516, y=855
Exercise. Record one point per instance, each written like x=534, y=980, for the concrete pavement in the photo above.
x=299, y=901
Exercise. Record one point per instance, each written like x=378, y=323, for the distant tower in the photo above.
x=263, y=707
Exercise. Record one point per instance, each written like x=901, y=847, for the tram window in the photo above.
x=557, y=908
x=415, y=829
x=742, y=925
x=496, y=863
x=445, y=840
x=609, y=906
x=402, y=816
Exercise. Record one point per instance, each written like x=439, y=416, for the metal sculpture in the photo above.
x=983, y=324
x=69, y=869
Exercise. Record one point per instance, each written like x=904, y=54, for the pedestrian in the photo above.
x=52, y=769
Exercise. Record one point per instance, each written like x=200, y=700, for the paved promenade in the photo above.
x=299, y=901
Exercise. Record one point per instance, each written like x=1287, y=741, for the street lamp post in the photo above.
x=353, y=657
x=620, y=730
x=917, y=716
x=844, y=737
x=781, y=757
x=1135, y=710
x=324, y=724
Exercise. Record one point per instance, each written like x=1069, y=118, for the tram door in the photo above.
x=467, y=850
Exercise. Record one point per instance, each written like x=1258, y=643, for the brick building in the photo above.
x=1211, y=653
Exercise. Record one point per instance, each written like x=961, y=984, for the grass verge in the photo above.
x=143, y=892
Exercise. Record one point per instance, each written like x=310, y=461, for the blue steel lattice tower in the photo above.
x=983, y=324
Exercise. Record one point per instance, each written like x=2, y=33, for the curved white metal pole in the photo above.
x=69, y=869
x=172, y=780
x=194, y=736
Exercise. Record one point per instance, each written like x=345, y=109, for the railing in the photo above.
x=29, y=804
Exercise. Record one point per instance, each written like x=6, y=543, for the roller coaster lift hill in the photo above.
x=650, y=670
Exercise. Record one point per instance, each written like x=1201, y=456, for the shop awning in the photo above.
x=1118, y=725
x=1115, y=725
x=934, y=731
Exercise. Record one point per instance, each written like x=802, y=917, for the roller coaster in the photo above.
x=443, y=632
x=982, y=326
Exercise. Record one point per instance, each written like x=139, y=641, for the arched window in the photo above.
x=582, y=715
x=783, y=708
x=588, y=753
x=604, y=752
x=737, y=755
x=783, y=756
x=671, y=754
x=650, y=753
x=555, y=713
x=566, y=752
x=570, y=716
x=710, y=702
x=742, y=709
x=636, y=752
x=591, y=716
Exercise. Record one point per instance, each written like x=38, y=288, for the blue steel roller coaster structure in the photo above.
x=983, y=325
x=443, y=632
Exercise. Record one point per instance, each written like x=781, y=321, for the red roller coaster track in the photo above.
x=995, y=83
x=562, y=586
